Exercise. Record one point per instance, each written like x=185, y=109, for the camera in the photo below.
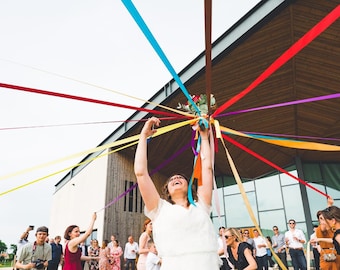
x=39, y=264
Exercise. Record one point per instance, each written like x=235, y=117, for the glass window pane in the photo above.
x=288, y=180
x=335, y=194
x=316, y=202
x=234, y=189
x=293, y=203
x=269, y=193
x=218, y=222
x=268, y=219
x=237, y=214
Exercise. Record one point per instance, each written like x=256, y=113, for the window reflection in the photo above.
x=277, y=198
x=335, y=194
x=316, y=202
x=293, y=202
x=288, y=180
x=268, y=219
x=236, y=211
x=269, y=193
x=234, y=189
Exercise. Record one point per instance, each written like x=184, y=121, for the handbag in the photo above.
x=329, y=257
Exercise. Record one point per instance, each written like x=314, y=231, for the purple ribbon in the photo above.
x=337, y=95
x=180, y=151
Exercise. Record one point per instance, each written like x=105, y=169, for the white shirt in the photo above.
x=260, y=252
x=130, y=250
x=292, y=243
x=152, y=262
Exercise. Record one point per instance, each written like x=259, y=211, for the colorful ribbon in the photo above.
x=55, y=94
x=306, y=100
x=284, y=142
x=271, y=164
x=287, y=55
x=142, y=25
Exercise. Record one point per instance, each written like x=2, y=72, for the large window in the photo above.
x=276, y=198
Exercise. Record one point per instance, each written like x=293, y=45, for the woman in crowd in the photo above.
x=116, y=252
x=240, y=253
x=104, y=256
x=332, y=218
x=93, y=251
x=324, y=234
x=72, y=254
x=143, y=244
x=183, y=232
x=323, y=238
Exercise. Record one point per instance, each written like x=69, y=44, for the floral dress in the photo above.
x=93, y=252
x=104, y=254
x=116, y=253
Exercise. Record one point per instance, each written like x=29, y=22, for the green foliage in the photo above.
x=3, y=247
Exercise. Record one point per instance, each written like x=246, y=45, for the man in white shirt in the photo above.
x=295, y=238
x=130, y=253
x=261, y=251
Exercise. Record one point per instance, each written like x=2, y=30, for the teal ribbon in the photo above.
x=140, y=22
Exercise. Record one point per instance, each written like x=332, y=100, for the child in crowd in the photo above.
x=153, y=262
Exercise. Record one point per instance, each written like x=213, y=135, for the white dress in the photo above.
x=185, y=238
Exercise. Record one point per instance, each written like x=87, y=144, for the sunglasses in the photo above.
x=228, y=236
x=328, y=211
x=291, y=222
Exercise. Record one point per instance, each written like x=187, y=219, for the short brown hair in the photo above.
x=68, y=230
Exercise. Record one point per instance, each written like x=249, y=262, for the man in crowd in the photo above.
x=57, y=254
x=295, y=238
x=278, y=244
x=35, y=255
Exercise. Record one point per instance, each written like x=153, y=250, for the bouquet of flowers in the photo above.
x=201, y=102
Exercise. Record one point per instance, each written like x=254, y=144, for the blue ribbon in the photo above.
x=140, y=22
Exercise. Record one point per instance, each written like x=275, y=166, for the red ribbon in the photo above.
x=49, y=93
x=271, y=163
x=287, y=55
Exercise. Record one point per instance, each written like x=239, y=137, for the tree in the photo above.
x=3, y=247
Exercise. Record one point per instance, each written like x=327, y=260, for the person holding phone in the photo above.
x=37, y=254
x=22, y=241
x=24, y=237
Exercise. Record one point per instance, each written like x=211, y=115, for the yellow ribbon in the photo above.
x=160, y=131
x=246, y=200
x=287, y=142
x=133, y=139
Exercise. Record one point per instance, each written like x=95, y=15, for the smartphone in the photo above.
x=31, y=227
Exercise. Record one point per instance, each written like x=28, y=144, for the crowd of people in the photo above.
x=183, y=231
x=50, y=254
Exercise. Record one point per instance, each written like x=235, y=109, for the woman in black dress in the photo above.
x=240, y=253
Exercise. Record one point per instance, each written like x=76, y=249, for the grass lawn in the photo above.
x=6, y=264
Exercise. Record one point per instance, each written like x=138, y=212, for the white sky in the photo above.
x=94, y=41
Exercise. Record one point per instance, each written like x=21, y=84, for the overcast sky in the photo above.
x=83, y=41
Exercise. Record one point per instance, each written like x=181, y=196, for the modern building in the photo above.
x=239, y=57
